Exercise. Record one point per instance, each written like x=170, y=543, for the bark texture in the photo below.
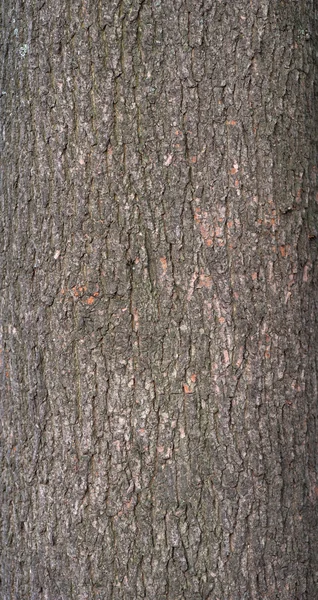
x=158, y=307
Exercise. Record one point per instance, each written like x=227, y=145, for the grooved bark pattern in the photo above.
x=158, y=307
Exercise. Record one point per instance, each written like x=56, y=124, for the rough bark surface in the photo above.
x=158, y=304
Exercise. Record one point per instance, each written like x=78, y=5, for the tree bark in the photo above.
x=158, y=308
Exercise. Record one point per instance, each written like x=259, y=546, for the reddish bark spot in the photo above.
x=234, y=168
x=163, y=261
x=128, y=504
x=206, y=228
x=306, y=270
x=205, y=281
x=288, y=295
x=187, y=389
x=254, y=276
x=232, y=122
x=182, y=432
x=78, y=290
x=193, y=159
x=208, y=309
x=135, y=319
x=197, y=214
x=193, y=378
x=226, y=356
x=267, y=354
x=240, y=357
x=191, y=285
x=236, y=183
x=282, y=250
x=90, y=300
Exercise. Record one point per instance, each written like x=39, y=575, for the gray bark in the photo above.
x=158, y=305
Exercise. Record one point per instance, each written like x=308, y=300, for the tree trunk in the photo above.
x=158, y=304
